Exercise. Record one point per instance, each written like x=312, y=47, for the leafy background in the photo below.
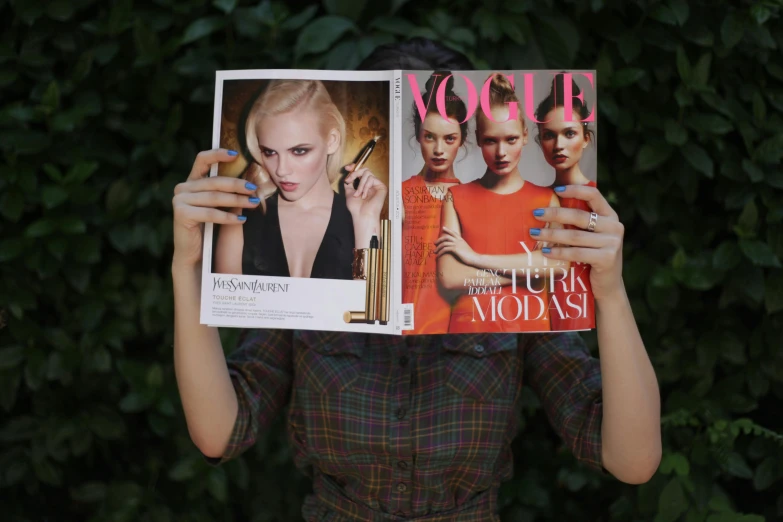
x=103, y=106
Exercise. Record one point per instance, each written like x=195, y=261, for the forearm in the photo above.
x=208, y=397
x=631, y=429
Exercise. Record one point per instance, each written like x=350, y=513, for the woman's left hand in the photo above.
x=451, y=242
x=365, y=201
x=602, y=248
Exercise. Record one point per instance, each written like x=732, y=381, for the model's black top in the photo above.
x=264, y=253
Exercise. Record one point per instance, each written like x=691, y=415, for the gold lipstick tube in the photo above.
x=371, y=303
x=355, y=317
x=385, y=268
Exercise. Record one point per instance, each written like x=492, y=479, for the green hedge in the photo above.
x=103, y=106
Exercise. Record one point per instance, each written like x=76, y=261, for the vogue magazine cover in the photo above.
x=400, y=202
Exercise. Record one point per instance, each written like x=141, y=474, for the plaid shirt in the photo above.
x=395, y=427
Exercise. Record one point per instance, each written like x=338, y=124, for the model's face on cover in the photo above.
x=295, y=151
x=501, y=141
x=562, y=141
x=440, y=141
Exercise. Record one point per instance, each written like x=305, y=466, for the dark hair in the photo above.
x=417, y=53
x=455, y=107
x=555, y=99
x=501, y=92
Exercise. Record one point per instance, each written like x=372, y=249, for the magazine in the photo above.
x=400, y=202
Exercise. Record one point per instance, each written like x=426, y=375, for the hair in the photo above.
x=501, y=92
x=282, y=96
x=555, y=99
x=455, y=107
x=416, y=53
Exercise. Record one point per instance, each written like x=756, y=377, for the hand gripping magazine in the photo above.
x=400, y=202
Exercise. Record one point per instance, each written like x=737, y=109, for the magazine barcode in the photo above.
x=407, y=316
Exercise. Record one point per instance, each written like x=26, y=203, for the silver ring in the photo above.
x=593, y=222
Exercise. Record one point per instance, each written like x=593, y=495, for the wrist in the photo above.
x=615, y=296
x=184, y=267
x=363, y=232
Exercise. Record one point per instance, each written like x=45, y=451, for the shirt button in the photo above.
x=401, y=487
x=403, y=361
x=327, y=347
x=402, y=464
x=401, y=413
x=399, y=514
x=478, y=348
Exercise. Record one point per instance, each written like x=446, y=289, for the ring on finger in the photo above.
x=593, y=222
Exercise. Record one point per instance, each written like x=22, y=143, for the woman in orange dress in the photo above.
x=486, y=252
x=562, y=143
x=422, y=198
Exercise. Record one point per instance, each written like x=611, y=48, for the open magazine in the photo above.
x=400, y=202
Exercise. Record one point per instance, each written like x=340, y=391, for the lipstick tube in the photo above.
x=371, y=301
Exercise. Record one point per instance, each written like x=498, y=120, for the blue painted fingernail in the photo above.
x=538, y=212
x=560, y=189
x=232, y=153
x=535, y=231
x=250, y=186
x=546, y=250
x=241, y=218
x=255, y=200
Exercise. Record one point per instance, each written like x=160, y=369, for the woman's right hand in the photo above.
x=198, y=200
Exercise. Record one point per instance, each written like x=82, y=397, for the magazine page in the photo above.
x=481, y=151
x=314, y=253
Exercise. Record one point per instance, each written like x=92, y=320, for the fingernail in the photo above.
x=546, y=250
x=241, y=218
x=538, y=212
x=232, y=153
x=560, y=188
x=535, y=231
x=255, y=200
x=250, y=186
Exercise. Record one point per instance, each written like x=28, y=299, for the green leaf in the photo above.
x=683, y=65
x=393, y=25
x=11, y=356
x=183, y=470
x=701, y=71
x=297, y=21
x=653, y=155
x=513, y=30
x=748, y=220
x=347, y=8
x=663, y=14
x=759, y=253
x=675, y=133
x=732, y=349
x=766, y=474
x=770, y=150
x=80, y=172
x=672, y=502
x=698, y=158
x=735, y=464
x=227, y=6
x=20, y=428
x=40, y=228
x=217, y=484
x=773, y=298
x=680, y=10
x=627, y=77
x=107, y=425
x=89, y=492
x=676, y=462
x=203, y=27
x=51, y=97
x=732, y=29
x=709, y=124
x=727, y=256
x=321, y=34
x=52, y=196
x=754, y=172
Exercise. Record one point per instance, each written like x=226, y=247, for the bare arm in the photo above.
x=228, y=251
x=208, y=396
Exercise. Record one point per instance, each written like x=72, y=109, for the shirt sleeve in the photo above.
x=261, y=371
x=567, y=380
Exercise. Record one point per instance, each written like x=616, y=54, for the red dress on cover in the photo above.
x=420, y=229
x=585, y=319
x=495, y=224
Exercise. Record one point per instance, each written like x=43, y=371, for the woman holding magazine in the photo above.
x=486, y=227
x=562, y=143
x=304, y=228
x=422, y=198
x=393, y=427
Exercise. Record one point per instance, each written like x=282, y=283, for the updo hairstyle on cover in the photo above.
x=556, y=98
